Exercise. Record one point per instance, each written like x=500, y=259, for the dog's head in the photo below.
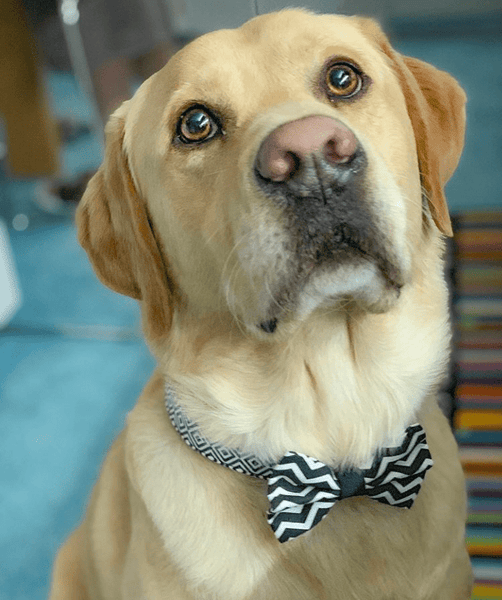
x=291, y=165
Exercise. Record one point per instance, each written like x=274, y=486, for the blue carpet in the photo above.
x=71, y=366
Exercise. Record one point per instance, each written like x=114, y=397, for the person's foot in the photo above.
x=62, y=198
x=73, y=191
x=47, y=201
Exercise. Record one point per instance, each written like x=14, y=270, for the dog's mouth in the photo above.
x=350, y=266
x=346, y=242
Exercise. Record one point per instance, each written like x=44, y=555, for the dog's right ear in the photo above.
x=115, y=230
x=103, y=219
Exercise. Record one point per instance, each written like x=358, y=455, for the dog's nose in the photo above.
x=283, y=151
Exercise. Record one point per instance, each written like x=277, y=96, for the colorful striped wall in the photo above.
x=477, y=304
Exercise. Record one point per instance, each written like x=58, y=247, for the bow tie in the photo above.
x=302, y=489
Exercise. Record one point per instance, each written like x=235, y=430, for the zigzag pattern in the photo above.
x=396, y=477
x=302, y=489
x=301, y=492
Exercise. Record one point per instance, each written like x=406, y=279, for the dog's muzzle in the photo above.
x=315, y=170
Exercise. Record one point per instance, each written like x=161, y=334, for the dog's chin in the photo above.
x=360, y=284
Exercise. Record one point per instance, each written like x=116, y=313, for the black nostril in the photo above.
x=296, y=161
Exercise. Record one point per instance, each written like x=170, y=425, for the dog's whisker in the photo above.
x=271, y=296
x=227, y=286
x=230, y=256
x=215, y=233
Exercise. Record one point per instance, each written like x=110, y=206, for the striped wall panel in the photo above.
x=477, y=305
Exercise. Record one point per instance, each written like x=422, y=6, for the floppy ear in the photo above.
x=436, y=107
x=115, y=230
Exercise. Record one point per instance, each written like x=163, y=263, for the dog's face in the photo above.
x=270, y=172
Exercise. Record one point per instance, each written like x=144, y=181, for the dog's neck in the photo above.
x=337, y=388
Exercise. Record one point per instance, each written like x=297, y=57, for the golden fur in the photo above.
x=190, y=235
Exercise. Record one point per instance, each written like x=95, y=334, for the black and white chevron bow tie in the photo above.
x=302, y=489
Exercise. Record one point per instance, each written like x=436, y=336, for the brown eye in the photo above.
x=343, y=80
x=196, y=125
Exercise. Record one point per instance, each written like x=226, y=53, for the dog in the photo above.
x=273, y=198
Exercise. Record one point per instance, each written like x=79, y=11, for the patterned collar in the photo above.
x=301, y=489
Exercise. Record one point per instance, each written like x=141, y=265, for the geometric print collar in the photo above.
x=301, y=489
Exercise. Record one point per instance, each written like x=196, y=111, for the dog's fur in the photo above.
x=191, y=234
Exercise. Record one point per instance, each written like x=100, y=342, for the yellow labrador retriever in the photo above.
x=273, y=197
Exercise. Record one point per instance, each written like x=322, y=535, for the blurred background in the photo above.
x=72, y=361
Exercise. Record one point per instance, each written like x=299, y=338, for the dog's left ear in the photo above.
x=436, y=107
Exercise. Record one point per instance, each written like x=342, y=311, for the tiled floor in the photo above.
x=72, y=363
